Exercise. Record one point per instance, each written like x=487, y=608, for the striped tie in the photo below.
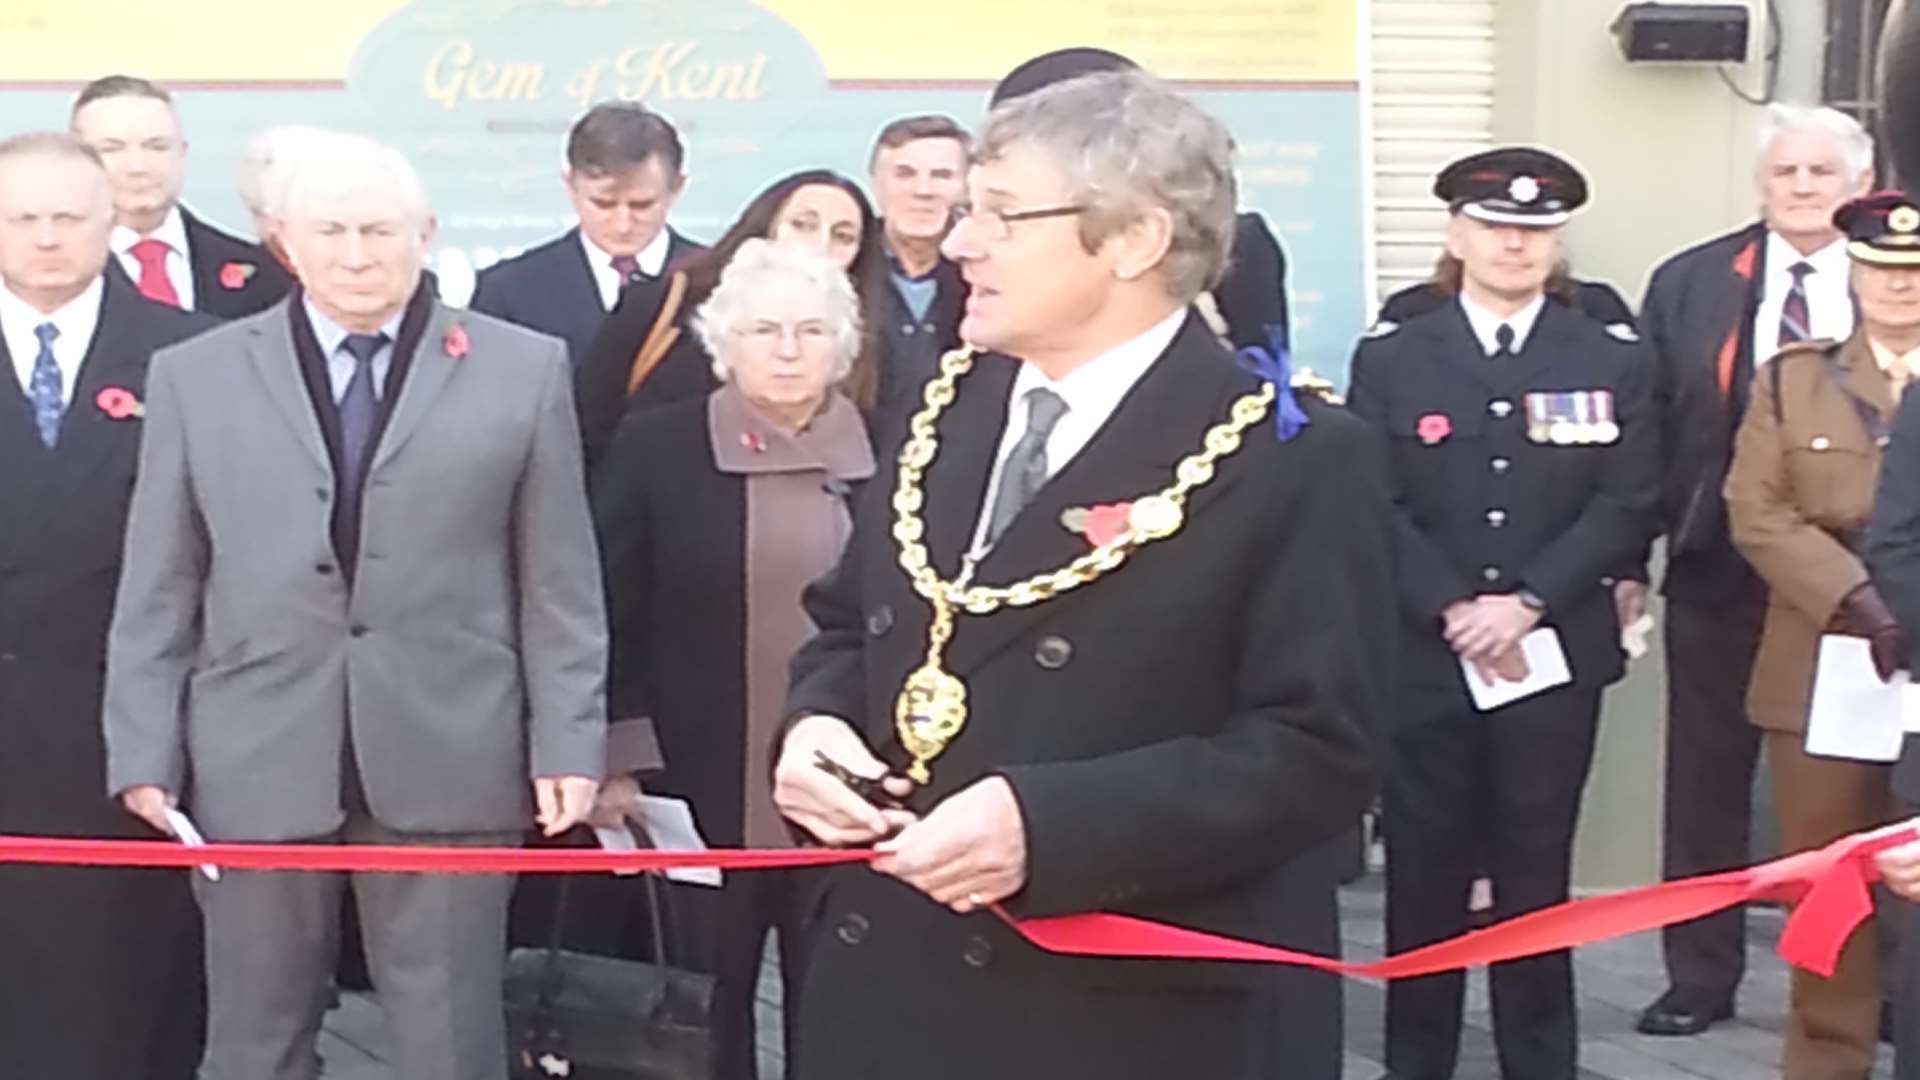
x=1794, y=322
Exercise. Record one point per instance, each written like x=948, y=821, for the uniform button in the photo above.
x=322, y=569
x=909, y=329
x=1052, y=652
x=8, y=658
x=1500, y=407
x=852, y=929
x=1496, y=518
x=978, y=953
x=357, y=630
x=880, y=621
x=1500, y=466
x=1491, y=573
x=1820, y=442
x=320, y=493
x=1608, y=582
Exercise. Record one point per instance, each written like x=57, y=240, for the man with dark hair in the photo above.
x=174, y=257
x=625, y=169
x=918, y=172
x=102, y=969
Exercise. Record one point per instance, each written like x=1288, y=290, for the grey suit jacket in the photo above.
x=469, y=656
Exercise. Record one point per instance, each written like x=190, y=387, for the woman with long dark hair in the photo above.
x=815, y=208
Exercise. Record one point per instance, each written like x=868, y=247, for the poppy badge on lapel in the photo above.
x=1099, y=524
x=119, y=404
x=235, y=275
x=1433, y=428
x=455, y=344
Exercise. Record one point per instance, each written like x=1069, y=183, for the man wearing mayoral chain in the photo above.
x=1110, y=635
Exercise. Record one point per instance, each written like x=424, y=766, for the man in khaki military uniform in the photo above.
x=1799, y=493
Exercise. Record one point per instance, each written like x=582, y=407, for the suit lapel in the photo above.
x=1160, y=421
x=270, y=348
x=1862, y=378
x=426, y=378
x=956, y=483
x=1452, y=342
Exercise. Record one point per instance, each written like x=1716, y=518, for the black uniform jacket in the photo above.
x=1484, y=506
x=1174, y=732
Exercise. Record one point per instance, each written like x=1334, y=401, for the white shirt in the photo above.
x=75, y=320
x=340, y=363
x=1829, y=298
x=1486, y=325
x=1900, y=368
x=652, y=259
x=1092, y=392
x=173, y=233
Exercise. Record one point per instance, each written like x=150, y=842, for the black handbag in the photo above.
x=572, y=1016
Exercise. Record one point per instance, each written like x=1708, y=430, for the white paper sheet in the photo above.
x=185, y=831
x=1854, y=715
x=669, y=826
x=1547, y=668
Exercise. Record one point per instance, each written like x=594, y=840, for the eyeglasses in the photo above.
x=769, y=332
x=998, y=224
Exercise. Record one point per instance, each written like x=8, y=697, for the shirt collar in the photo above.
x=651, y=259
x=331, y=334
x=1902, y=366
x=1829, y=263
x=75, y=319
x=1094, y=389
x=1486, y=325
x=172, y=232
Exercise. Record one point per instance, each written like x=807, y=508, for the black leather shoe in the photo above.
x=1679, y=1013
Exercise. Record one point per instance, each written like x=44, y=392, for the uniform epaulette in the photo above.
x=1380, y=329
x=1810, y=345
x=1305, y=381
x=1621, y=331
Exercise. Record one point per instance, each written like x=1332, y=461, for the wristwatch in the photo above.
x=1531, y=600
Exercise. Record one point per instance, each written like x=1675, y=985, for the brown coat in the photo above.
x=1803, y=475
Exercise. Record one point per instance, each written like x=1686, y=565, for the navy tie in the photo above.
x=1795, y=322
x=359, y=408
x=43, y=389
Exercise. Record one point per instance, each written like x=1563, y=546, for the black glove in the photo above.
x=1864, y=614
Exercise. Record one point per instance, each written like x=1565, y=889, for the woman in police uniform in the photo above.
x=1799, y=494
x=1522, y=461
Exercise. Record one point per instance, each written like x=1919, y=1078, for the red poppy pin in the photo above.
x=120, y=404
x=455, y=343
x=1099, y=524
x=235, y=275
x=1433, y=427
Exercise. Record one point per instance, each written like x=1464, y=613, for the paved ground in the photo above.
x=1615, y=980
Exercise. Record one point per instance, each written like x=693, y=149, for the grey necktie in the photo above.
x=1026, y=467
x=359, y=407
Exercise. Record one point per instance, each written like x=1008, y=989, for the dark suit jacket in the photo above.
x=913, y=347
x=1253, y=295
x=1555, y=519
x=1893, y=557
x=1697, y=315
x=600, y=378
x=231, y=294
x=1174, y=733
x=1594, y=299
x=62, y=515
x=550, y=288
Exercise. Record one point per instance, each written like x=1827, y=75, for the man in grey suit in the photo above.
x=361, y=604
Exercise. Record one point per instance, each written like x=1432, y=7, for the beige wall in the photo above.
x=1668, y=150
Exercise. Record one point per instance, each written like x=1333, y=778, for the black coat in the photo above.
x=913, y=347
x=600, y=380
x=1174, y=734
x=1699, y=308
x=1594, y=299
x=210, y=252
x=1253, y=295
x=1483, y=508
x=1893, y=557
x=550, y=288
x=102, y=967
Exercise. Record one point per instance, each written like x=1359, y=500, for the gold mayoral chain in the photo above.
x=932, y=707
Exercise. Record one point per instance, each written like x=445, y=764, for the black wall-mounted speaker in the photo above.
x=1698, y=32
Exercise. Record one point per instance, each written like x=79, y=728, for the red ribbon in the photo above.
x=1827, y=888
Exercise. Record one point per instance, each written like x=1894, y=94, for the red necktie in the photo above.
x=154, y=283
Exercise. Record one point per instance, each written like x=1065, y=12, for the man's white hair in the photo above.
x=332, y=164
x=269, y=157
x=1856, y=146
x=759, y=266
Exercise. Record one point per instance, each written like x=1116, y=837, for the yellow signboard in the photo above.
x=266, y=41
